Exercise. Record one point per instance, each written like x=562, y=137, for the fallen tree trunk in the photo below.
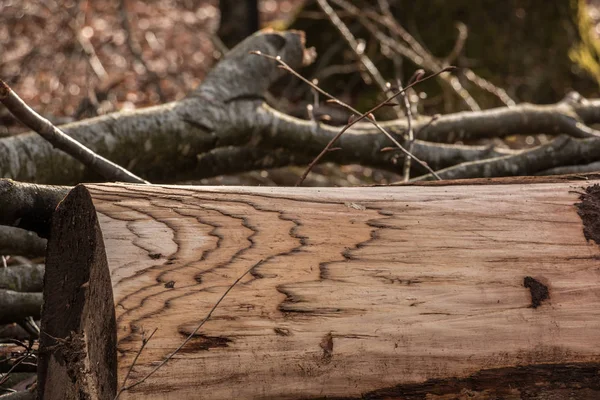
x=384, y=292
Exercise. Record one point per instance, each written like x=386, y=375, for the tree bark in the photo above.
x=19, y=305
x=224, y=126
x=19, y=242
x=387, y=292
x=29, y=206
x=22, y=278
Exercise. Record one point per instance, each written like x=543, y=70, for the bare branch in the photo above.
x=572, y=169
x=415, y=52
x=488, y=87
x=22, y=278
x=374, y=72
x=563, y=150
x=459, y=44
x=563, y=117
x=238, y=76
x=29, y=206
x=60, y=140
x=22, y=395
x=17, y=306
x=354, y=45
x=368, y=115
x=16, y=241
x=144, y=343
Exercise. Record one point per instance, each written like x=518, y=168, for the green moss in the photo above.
x=586, y=53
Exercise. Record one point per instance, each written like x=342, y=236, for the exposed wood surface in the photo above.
x=385, y=292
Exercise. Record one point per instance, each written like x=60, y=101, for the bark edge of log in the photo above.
x=78, y=340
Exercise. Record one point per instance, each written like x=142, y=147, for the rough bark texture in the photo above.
x=59, y=140
x=29, y=206
x=433, y=291
x=17, y=305
x=77, y=343
x=19, y=242
x=187, y=139
x=23, y=395
x=22, y=278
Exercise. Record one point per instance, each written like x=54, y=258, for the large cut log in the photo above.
x=439, y=291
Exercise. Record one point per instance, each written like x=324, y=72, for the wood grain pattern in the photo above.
x=354, y=290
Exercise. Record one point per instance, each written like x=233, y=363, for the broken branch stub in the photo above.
x=240, y=75
x=376, y=292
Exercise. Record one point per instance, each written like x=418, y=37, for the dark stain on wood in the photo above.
x=539, y=291
x=170, y=285
x=282, y=331
x=327, y=346
x=155, y=256
x=589, y=211
x=203, y=342
x=579, y=381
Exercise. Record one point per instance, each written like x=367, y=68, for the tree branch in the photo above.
x=22, y=395
x=22, y=278
x=175, y=141
x=572, y=169
x=19, y=242
x=17, y=306
x=29, y=206
x=60, y=140
x=563, y=150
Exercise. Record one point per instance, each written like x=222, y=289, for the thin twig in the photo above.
x=354, y=45
x=28, y=324
x=489, y=87
x=433, y=118
x=144, y=343
x=414, y=51
x=369, y=116
x=384, y=5
x=190, y=336
x=362, y=116
x=463, y=33
x=88, y=49
x=411, y=136
x=375, y=74
x=14, y=366
x=385, y=8
x=61, y=140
